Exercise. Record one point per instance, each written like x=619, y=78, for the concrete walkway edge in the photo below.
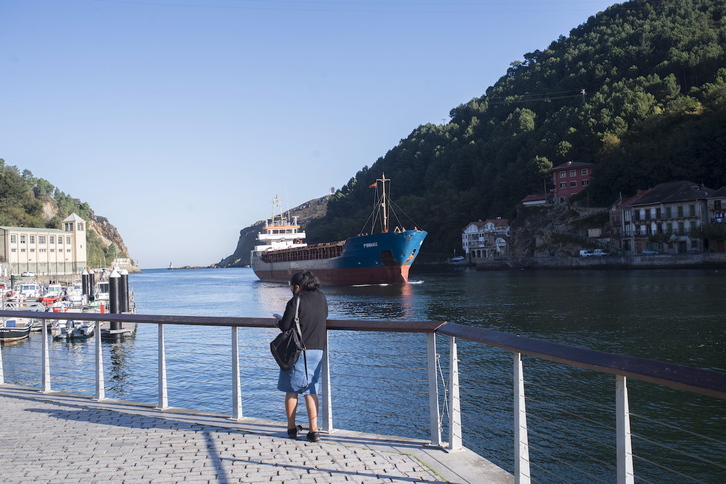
x=62, y=437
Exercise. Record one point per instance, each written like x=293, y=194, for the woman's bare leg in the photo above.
x=311, y=402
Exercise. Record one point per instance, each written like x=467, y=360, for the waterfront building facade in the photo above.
x=487, y=239
x=44, y=251
x=670, y=218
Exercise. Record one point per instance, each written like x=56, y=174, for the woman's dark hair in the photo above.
x=306, y=280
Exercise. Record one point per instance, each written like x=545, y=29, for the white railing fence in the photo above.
x=443, y=392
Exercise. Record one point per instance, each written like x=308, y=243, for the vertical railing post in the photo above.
x=100, y=389
x=45, y=356
x=434, y=424
x=163, y=395
x=455, y=400
x=521, y=444
x=327, y=403
x=236, y=389
x=624, y=446
x=2, y=372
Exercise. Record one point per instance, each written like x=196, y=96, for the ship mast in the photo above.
x=384, y=205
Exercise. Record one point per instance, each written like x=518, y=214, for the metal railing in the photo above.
x=698, y=381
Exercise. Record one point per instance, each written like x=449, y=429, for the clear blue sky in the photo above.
x=180, y=120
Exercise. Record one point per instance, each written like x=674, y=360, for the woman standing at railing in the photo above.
x=304, y=377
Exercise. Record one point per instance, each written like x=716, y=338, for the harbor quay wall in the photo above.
x=661, y=261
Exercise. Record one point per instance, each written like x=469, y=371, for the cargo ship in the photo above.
x=382, y=257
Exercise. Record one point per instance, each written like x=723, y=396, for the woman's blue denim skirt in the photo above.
x=294, y=380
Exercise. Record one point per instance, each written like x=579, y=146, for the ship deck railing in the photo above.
x=440, y=388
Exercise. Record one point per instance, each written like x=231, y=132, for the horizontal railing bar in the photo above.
x=347, y=325
x=704, y=382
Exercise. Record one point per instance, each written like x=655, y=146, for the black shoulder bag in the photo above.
x=288, y=345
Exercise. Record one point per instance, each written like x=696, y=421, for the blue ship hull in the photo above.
x=383, y=258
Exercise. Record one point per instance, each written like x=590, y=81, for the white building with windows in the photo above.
x=486, y=240
x=44, y=251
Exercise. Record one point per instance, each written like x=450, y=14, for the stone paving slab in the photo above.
x=66, y=438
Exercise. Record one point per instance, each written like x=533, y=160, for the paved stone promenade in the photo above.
x=64, y=438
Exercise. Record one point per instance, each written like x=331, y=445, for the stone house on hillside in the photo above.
x=570, y=179
x=669, y=218
x=486, y=240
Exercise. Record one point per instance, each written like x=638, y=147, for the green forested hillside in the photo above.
x=639, y=90
x=27, y=201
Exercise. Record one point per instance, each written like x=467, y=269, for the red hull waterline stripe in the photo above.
x=347, y=277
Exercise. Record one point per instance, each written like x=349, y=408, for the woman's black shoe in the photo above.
x=292, y=433
x=314, y=436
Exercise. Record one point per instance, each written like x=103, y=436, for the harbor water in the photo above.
x=674, y=316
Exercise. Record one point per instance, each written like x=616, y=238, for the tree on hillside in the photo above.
x=636, y=89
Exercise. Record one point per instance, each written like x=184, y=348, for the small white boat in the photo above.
x=102, y=291
x=72, y=329
x=75, y=294
x=14, y=329
x=29, y=290
x=35, y=324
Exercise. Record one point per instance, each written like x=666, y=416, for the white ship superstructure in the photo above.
x=280, y=232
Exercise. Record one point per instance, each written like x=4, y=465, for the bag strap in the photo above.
x=299, y=332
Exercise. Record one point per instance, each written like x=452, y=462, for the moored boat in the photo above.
x=13, y=330
x=71, y=329
x=376, y=258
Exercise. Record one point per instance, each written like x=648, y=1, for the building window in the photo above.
x=563, y=174
x=22, y=239
x=692, y=210
x=573, y=172
x=584, y=171
x=668, y=213
x=681, y=228
x=680, y=210
x=13, y=250
x=694, y=244
x=585, y=183
x=41, y=239
x=13, y=239
x=563, y=185
x=80, y=226
x=60, y=240
x=669, y=227
x=573, y=183
x=32, y=239
x=68, y=241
